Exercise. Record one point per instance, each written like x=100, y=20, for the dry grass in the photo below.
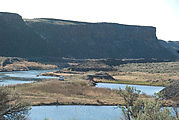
x=30, y=65
x=161, y=74
x=51, y=91
x=142, y=76
x=156, y=74
x=25, y=65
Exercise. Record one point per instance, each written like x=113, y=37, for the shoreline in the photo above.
x=132, y=83
x=74, y=104
x=60, y=104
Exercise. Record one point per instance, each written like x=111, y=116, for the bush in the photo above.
x=135, y=109
x=11, y=105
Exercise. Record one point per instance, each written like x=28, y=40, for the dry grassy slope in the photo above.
x=154, y=73
x=16, y=64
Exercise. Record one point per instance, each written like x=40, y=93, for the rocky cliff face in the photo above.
x=62, y=38
x=99, y=40
x=17, y=39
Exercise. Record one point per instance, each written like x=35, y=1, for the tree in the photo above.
x=136, y=109
x=11, y=105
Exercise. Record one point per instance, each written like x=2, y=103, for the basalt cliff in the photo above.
x=63, y=38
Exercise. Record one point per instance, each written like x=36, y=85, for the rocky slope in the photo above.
x=62, y=38
x=17, y=39
x=173, y=46
x=99, y=40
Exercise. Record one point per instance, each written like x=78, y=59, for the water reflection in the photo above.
x=149, y=90
x=29, y=74
x=76, y=112
x=16, y=76
x=13, y=82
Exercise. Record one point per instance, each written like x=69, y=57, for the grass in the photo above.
x=155, y=74
x=51, y=91
x=19, y=64
x=161, y=67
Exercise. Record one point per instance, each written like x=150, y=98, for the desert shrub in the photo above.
x=11, y=105
x=136, y=109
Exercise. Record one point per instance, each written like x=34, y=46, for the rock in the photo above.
x=101, y=76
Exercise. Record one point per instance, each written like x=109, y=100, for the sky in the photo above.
x=162, y=14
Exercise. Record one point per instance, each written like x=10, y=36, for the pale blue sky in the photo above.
x=163, y=14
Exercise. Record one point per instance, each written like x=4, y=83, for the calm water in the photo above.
x=28, y=74
x=22, y=74
x=149, y=90
x=76, y=112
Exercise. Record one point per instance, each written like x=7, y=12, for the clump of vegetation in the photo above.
x=11, y=105
x=135, y=109
x=17, y=64
x=160, y=67
x=66, y=93
x=155, y=74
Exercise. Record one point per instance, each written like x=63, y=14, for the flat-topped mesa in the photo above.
x=148, y=31
x=123, y=31
x=64, y=38
x=10, y=18
x=99, y=40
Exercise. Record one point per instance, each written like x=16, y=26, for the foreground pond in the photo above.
x=149, y=90
x=75, y=112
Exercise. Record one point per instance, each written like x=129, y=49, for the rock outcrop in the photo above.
x=17, y=39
